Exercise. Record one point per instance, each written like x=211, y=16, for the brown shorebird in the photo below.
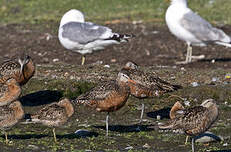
x=9, y=91
x=194, y=121
x=54, y=115
x=21, y=70
x=108, y=96
x=144, y=84
x=10, y=116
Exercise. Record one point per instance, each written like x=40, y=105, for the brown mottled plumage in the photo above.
x=194, y=121
x=144, y=84
x=21, y=70
x=10, y=116
x=54, y=115
x=108, y=96
x=9, y=91
x=174, y=112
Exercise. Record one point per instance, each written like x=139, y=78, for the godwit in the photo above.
x=10, y=116
x=145, y=84
x=54, y=115
x=21, y=70
x=108, y=96
x=191, y=28
x=194, y=121
x=9, y=91
x=85, y=37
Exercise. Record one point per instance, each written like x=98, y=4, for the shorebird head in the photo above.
x=68, y=106
x=23, y=61
x=131, y=65
x=72, y=15
x=208, y=103
x=122, y=77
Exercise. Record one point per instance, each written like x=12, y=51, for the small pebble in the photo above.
x=55, y=60
x=195, y=84
x=158, y=117
x=187, y=103
x=106, y=66
x=213, y=61
x=128, y=148
x=146, y=145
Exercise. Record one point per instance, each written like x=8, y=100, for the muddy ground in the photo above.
x=59, y=75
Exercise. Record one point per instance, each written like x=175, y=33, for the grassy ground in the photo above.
x=46, y=87
x=37, y=11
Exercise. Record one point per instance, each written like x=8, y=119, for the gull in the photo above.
x=85, y=37
x=194, y=121
x=193, y=29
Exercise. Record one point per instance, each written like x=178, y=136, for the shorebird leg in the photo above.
x=186, y=140
x=6, y=137
x=193, y=150
x=107, y=117
x=142, y=113
x=83, y=59
x=54, y=135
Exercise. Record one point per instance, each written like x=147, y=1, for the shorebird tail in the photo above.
x=121, y=37
x=223, y=43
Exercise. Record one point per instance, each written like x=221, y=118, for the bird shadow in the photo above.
x=27, y=136
x=163, y=113
x=127, y=128
x=228, y=150
x=206, y=134
x=216, y=59
x=74, y=135
x=40, y=98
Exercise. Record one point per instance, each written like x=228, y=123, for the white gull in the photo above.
x=85, y=37
x=191, y=28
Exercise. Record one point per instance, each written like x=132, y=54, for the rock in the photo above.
x=33, y=147
x=208, y=137
x=158, y=117
x=85, y=133
x=195, y=84
x=128, y=148
x=146, y=145
x=106, y=66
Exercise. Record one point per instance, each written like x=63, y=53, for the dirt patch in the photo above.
x=153, y=45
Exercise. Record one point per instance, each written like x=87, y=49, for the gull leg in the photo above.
x=6, y=137
x=193, y=150
x=107, y=117
x=83, y=59
x=142, y=113
x=190, y=53
x=54, y=135
x=187, y=56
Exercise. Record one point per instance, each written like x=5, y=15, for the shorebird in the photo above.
x=9, y=91
x=21, y=70
x=193, y=29
x=54, y=115
x=144, y=84
x=10, y=116
x=194, y=121
x=107, y=97
x=85, y=37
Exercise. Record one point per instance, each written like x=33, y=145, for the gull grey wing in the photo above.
x=84, y=33
x=202, y=29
